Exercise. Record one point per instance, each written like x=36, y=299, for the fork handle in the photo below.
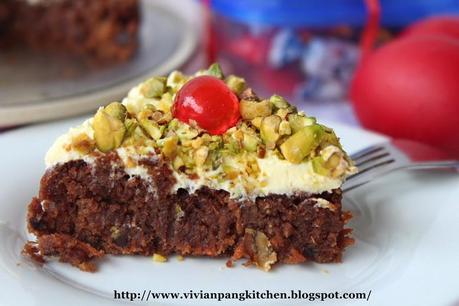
x=369, y=176
x=449, y=164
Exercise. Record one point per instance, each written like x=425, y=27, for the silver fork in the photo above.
x=381, y=159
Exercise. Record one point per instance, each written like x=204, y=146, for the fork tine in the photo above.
x=366, y=152
x=349, y=187
x=361, y=162
x=372, y=167
x=368, y=174
x=371, y=163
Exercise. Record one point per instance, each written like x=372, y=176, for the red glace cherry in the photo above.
x=208, y=101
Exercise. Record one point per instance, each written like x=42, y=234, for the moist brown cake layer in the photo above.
x=104, y=30
x=98, y=209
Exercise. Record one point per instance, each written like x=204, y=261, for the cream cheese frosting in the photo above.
x=277, y=176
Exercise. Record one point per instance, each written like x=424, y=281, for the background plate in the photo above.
x=405, y=225
x=34, y=88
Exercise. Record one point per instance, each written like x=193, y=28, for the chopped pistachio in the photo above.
x=188, y=159
x=319, y=167
x=257, y=122
x=131, y=125
x=269, y=131
x=115, y=232
x=250, y=142
x=136, y=138
x=200, y=72
x=283, y=112
x=215, y=70
x=165, y=103
x=232, y=145
x=302, y=143
x=200, y=155
x=174, y=124
x=179, y=213
x=178, y=163
x=116, y=110
x=249, y=94
x=152, y=128
x=265, y=256
x=159, y=258
x=330, y=138
x=215, y=144
x=156, y=116
x=83, y=144
x=109, y=131
x=236, y=84
x=185, y=131
x=146, y=112
x=284, y=128
x=160, y=117
x=261, y=151
x=197, y=142
x=215, y=158
x=333, y=161
x=252, y=109
x=279, y=101
x=153, y=87
x=329, y=167
x=297, y=122
x=238, y=135
x=175, y=80
x=230, y=172
x=170, y=147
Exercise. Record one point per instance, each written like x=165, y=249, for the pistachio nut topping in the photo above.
x=273, y=148
x=109, y=128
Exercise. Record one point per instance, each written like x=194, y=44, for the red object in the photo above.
x=370, y=32
x=420, y=152
x=208, y=101
x=209, y=39
x=409, y=89
x=283, y=80
x=440, y=25
x=254, y=50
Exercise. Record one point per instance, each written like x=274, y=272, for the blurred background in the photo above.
x=387, y=65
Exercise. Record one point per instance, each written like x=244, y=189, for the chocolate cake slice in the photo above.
x=197, y=166
x=102, y=31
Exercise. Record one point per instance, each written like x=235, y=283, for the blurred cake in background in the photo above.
x=102, y=31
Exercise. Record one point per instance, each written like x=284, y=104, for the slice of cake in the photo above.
x=194, y=165
x=103, y=31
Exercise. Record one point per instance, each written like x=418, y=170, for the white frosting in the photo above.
x=284, y=177
x=276, y=176
x=60, y=152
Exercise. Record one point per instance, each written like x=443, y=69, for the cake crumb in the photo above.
x=159, y=258
x=322, y=203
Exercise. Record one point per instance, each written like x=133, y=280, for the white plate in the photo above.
x=34, y=88
x=405, y=225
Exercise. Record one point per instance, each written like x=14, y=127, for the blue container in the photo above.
x=323, y=13
x=305, y=49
